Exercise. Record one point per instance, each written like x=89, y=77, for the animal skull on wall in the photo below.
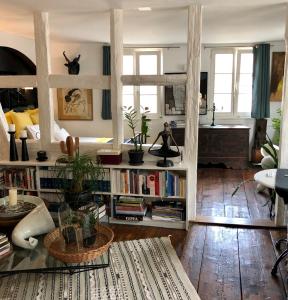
x=73, y=66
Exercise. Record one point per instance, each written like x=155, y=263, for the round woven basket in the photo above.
x=53, y=241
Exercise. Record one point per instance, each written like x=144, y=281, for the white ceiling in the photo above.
x=88, y=20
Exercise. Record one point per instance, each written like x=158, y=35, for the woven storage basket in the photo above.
x=53, y=241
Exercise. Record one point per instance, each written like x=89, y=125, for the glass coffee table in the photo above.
x=39, y=260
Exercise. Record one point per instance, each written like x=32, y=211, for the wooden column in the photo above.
x=192, y=103
x=116, y=37
x=283, y=159
x=45, y=101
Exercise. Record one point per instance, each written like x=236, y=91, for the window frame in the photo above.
x=236, y=51
x=136, y=53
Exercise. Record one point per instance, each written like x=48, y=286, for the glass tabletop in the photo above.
x=38, y=260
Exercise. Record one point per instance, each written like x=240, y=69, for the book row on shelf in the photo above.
x=136, y=209
x=49, y=180
x=155, y=183
x=24, y=178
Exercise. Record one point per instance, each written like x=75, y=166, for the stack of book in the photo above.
x=102, y=210
x=5, y=246
x=168, y=211
x=130, y=208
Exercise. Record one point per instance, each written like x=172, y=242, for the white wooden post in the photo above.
x=45, y=101
x=192, y=104
x=116, y=37
x=283, y=159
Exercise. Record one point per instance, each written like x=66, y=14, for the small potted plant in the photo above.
x=78, y=177
x=132, y=117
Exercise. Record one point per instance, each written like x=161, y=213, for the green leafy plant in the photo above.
x=132, y=117
x=269, y=148
x=78, y=174
x=276, y=123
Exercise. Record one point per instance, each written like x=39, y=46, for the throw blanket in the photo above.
x=281, y=184
x=140, y=269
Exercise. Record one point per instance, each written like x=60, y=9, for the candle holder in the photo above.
x=13, y=148
x=213, y=115
x=25, y=155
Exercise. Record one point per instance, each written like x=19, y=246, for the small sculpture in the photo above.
x=37, y=222
x=71, y=146
x=73, y=66
x=165, y=150
x=213, y=115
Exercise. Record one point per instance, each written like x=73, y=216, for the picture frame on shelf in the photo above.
x=75, y=104
x=175, y=97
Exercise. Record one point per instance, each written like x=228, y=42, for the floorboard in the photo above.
x=223, y=263
x=214, y=194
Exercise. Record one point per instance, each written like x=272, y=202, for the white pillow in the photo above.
x=3, y=120
x=33, y=132
x=61, y=135
x=56, y=127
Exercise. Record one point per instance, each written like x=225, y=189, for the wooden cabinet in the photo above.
x=227, y=144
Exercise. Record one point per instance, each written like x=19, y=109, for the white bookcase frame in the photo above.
x=44, y=81
x=112, y=168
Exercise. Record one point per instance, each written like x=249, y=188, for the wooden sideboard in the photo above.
x=227, y=144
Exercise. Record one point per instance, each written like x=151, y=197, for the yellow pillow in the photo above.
x=32, y=111
x=8, y=116
x=21, y=120
x=35, y=117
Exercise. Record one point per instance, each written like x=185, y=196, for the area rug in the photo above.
x=139, y=269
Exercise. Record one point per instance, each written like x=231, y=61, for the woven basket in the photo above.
x=53, y=241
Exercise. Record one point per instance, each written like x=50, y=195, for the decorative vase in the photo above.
x=37, y=222
x=78, y=227
x=136, y=157
x=77, y=200
x=13, y=148
x=24, y=154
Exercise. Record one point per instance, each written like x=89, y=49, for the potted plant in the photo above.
x=78, y=176
x=132, y=117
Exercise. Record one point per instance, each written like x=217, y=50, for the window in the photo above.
x=142, y=63
x=232, y=90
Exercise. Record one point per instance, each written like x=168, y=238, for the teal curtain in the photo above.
x=106, y=94
x=260, y=87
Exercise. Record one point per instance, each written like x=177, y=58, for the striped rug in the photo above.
x=140, y=269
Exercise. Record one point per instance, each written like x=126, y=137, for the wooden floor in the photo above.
x=223, y=263
x=214, y=194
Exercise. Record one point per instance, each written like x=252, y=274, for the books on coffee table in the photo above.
x=5, y=246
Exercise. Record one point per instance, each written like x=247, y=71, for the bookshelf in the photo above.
x=111, y=188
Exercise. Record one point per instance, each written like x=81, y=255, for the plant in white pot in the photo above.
x=132, y=117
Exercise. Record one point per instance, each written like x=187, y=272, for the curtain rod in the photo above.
x=149, y=47
x=230, y=46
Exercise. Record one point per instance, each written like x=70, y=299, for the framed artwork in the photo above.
x=175, y=97
x=75, y=104
x=277, y=74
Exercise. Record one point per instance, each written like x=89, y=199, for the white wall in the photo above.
x=22, y=44
x=90, y=64
x=174, y=60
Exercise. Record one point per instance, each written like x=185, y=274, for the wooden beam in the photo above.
x=18, y=81
x=45, y=100
x=116, y=37
x=192, y=104
x=154, y=79
x=283, y=159
x=80, y=81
